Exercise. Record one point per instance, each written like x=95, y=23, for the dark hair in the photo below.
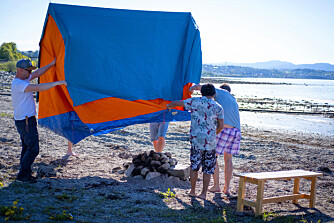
x=208, y=90
x=226, y=87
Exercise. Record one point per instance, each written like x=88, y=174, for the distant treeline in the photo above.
x=9, y=55
x=237, y=71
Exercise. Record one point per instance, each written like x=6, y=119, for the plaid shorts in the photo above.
x=228, y=141
x=204, y=158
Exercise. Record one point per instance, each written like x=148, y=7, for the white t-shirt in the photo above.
x=23, y=102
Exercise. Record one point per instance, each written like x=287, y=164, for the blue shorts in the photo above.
x=158, y=129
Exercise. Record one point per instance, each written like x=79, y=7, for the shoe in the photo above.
x=28, y=179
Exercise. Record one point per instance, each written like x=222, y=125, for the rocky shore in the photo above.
x=89, y=187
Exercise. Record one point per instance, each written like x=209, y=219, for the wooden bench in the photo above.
x=261, y=178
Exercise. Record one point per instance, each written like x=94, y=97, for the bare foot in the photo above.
x=72, y=154
x=202, y=196
x=191, y=194
x=214, y=189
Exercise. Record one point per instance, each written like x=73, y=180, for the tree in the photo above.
x=8, y=51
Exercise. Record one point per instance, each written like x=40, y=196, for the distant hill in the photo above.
x=281, y=65
x=209, y=70
x=32, y=54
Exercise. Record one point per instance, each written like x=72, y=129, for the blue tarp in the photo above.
x=124, y=54
x=127, y=54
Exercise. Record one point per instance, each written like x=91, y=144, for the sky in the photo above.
x=240, y=31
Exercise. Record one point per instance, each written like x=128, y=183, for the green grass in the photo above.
x=6, y=115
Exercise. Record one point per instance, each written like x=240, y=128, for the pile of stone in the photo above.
x=151, y=164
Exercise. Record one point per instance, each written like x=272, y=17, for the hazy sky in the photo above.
x=297, y=31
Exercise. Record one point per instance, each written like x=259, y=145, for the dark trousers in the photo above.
x=30, y=144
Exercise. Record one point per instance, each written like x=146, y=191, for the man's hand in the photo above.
x=169, y=106
x=195, y=87
x=53, y=62
x=62, y=83
x=174, y=104
x=42, y=70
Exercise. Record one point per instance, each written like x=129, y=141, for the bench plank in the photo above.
x=288, y=174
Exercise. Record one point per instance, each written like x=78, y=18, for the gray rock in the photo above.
x=128, y=172
x=172, y=162
x=168, y=154
x=163, y=156
x=116, y=169
x=144, y=171
x=126, y=165
x=148, y=161
x=165, y=166
x=156, y=156
x=137, y=162
x=46, y=171
x=137, y=170
x=124, y=155
x=120, y=171
x=152, y=175
x=138, y=177
x=181, y=171
x=155, y=163
x=165, y=160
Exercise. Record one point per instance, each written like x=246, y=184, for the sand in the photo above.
x=91, y=188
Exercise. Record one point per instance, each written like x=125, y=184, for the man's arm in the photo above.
x=174, y=104
x=44, y=86
x=42, y=70
x=220, y=126
x=195, y=87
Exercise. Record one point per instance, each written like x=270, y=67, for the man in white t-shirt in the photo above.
x=25, y=111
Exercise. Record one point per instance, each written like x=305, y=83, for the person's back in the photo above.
x=230, y=106
x=207, y=120
x=204, y=116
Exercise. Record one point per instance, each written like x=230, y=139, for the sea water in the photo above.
x=302, y=90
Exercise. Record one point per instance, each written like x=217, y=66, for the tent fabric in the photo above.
x=121, y=67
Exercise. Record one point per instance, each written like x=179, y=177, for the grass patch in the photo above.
x=6, y=115
x=13, y=212
x=61, y=216
x=67, y=198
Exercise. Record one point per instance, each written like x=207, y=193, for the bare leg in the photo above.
x=193, y=180
x=206, y=181
x=69, y=149
x=161, y=144
x=155, y=144
x=228, y=172
x=215, y=187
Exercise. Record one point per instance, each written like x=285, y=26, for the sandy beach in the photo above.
x=90, y=188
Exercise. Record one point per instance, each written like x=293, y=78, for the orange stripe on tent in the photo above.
x=55, y=100
x=116, y=109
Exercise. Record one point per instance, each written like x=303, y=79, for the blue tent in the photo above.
x=122, y=67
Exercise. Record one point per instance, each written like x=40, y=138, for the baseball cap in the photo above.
x=25, y=64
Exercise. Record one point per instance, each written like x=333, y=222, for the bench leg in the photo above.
x=259, y=197
x=241, y=195
x=313, y=193
x=296, y=189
